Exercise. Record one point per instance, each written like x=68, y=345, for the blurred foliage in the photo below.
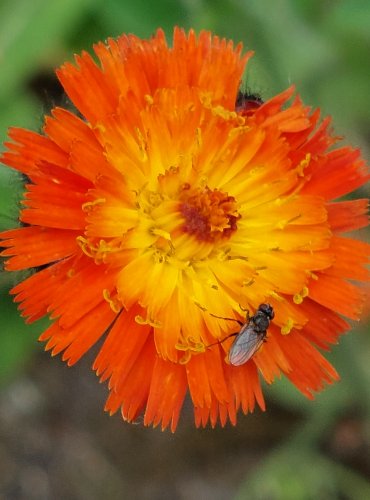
x=291, y=474
x=320, y=46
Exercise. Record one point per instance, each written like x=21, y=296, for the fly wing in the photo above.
x=245, y=345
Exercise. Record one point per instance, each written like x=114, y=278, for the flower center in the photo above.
x=209, y=214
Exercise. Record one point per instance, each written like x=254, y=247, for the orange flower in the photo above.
x=167, y=208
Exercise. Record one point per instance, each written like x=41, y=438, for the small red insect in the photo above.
x=246, y=102
x=251, y=335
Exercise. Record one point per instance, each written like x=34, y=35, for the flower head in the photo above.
x=167, y=211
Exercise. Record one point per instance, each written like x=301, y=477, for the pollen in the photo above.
x=209, y=214
x=299, y=297
x=287, y=328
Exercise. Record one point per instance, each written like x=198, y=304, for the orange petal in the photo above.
x=35, y=246
x=166, y=394
x=79, y=338
x=348, y=215
x=132, y=396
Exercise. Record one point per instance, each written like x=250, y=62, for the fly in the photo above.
x=251, y=335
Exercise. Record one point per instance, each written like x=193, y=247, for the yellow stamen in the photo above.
x=142, y=143
x=303, y=164
x=160, y=232
x=149, y=99
x=189, y=346
x=298, y=297
x=276, y=296
x=90, y=205
x=97, y=251
x=287, y=328
x=114, y=302
x=148, y=321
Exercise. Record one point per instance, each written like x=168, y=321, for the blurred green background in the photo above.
x=55, y=441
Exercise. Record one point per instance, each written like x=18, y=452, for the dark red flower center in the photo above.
x=209, y=214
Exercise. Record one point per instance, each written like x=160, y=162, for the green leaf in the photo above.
x=10, y=192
